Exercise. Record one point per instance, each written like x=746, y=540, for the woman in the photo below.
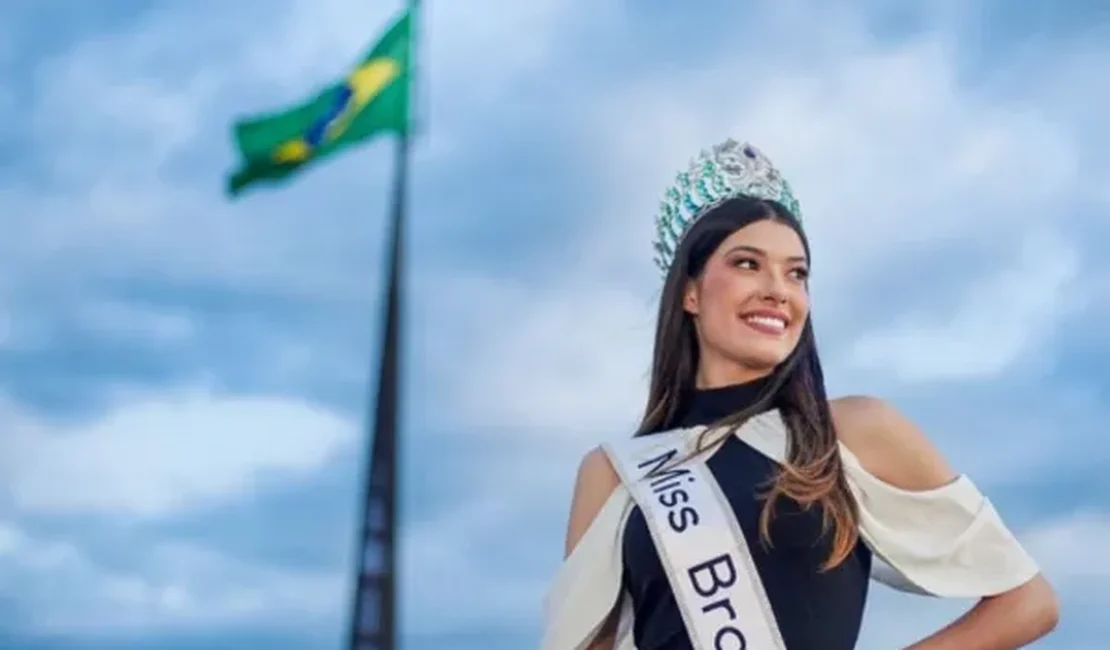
x=750, y=511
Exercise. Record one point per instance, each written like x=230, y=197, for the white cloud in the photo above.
x=156, y=456
x=557, y=363
x=1001, y=320
x=883, y=146
x=125, y=198
x=889, y=153
x=1070, y=549
x=442, y=556
x=136, y=167
x=168, y=586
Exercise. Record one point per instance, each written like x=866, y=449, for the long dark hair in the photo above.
x=812, y=473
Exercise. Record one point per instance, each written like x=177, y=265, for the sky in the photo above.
x=183, y=379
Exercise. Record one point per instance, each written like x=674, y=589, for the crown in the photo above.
x=729, y=170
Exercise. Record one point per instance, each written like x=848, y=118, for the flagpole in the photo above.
x=373, y=617
x=377, y=558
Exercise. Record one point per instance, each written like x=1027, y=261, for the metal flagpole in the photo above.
x=374, y=620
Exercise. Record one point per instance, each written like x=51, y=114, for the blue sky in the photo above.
x=182, y=379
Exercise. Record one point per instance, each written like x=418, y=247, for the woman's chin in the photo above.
x=763, y=357
x=751, y=366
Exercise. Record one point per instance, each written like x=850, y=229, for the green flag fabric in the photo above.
x=372, y=99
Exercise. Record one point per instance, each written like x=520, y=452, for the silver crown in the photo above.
x=729, y=170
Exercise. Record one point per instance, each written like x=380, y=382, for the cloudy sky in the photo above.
x=182, y=379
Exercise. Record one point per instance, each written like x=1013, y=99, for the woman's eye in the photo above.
x=744, y=263
x=800, y=274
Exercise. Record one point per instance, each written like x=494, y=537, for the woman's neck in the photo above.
x=711, y=376
x=707, y=405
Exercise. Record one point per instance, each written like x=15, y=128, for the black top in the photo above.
x=814, y=610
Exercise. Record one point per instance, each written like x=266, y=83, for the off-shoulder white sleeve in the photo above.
x=588, y=584
x=948, y=541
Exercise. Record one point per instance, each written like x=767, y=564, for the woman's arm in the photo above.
x=892, y=449
x=596, y=481
x=1010, y=620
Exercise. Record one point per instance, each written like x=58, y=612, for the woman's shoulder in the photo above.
x=888, y=444
x=595, y=483
x=596, y=472
x=935, y=531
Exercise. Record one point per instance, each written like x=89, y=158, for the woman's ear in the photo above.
x=690, y=298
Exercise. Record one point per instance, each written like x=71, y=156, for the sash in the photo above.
x=699, y=542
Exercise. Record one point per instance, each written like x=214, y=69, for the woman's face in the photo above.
x=749, y=304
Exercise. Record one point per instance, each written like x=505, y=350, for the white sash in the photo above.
x=699, y=542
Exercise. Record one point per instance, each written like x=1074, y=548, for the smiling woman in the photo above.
x=750, y=510
x=749, y=301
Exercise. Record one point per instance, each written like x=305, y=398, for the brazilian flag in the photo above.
x=372, y=99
